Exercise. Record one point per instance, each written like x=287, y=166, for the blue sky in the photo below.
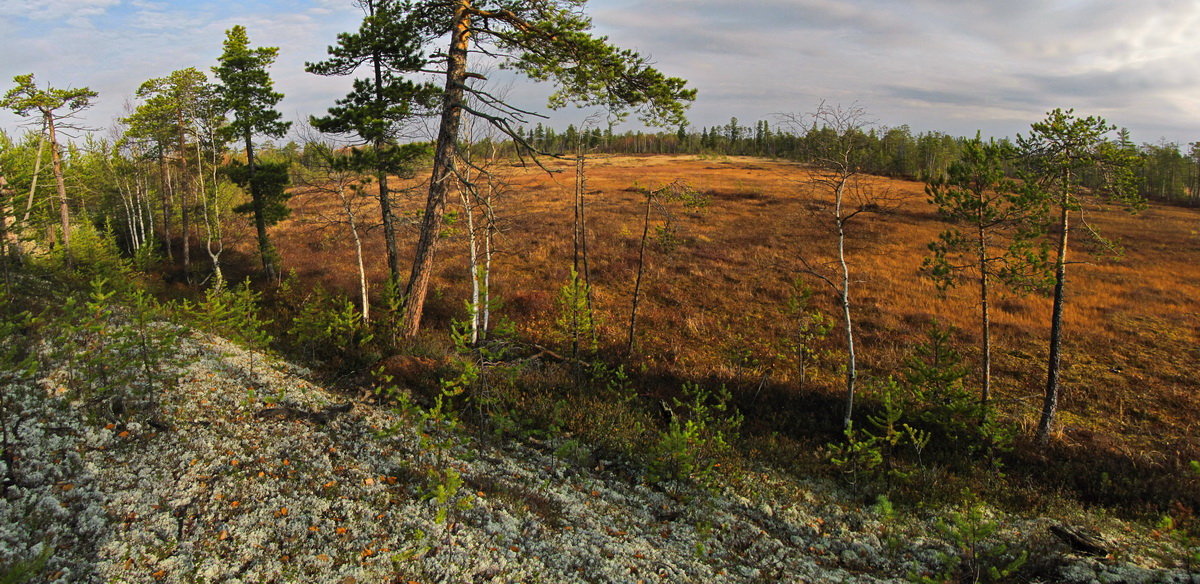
x=951, y=65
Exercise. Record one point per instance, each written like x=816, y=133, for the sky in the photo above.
x=955, y=66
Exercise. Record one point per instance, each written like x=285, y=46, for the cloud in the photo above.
x=949, y=65
x=69, y=11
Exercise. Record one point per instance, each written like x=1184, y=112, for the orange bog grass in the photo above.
x=715, y=306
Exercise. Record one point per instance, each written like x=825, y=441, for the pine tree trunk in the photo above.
x=985, y=312
x=1050, y=405
x=389, y=224
x=385, y=195
x=8, y=235
x=64, y=211
x=443, y=173
x=260, y=219
x=184, y=207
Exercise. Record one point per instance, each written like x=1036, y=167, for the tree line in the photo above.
x=1163, y=171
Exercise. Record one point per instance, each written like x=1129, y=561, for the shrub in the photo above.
x=330, y=328
x=976, y=555
x=959, y=424
x=875, y=454
x=113, y=351
x=697, y=440
x=234, y=313
x=93, y=253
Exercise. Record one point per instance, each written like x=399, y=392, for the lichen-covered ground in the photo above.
x=205, y=488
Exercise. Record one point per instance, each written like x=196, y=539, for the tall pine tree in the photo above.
x=53, y=106
x=1060, y=153
x=246, y=90
x=546, y=40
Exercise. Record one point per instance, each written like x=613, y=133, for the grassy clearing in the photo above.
x=715, y=310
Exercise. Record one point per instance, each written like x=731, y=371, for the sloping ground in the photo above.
x=218, y=486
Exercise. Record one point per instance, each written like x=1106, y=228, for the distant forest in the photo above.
x=1166, y=171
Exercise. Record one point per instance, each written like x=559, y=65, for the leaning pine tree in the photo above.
x=246, y=91
x=53, y=106
x=1068, y=157
x=546, y=40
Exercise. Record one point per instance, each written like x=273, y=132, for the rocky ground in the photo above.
x=244, y=472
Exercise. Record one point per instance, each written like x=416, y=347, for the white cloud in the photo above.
x=72, y=12
x=950, y=65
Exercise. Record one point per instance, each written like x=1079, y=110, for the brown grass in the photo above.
x=715, y=306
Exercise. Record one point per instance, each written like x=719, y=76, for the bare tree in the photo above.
x=678, y=192
x=330, y=173
x=837, y=159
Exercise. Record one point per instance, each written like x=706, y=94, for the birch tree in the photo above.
x=838, y=167
x=329, y=174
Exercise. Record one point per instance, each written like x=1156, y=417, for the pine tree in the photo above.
x=1061, y=151
x=53, y=106
x=978, y=194
x=172, y=115
x=378, y=106
x=546, y=40
x=246, y=91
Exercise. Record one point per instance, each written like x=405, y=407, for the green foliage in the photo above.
x=25, y=97
x=1186, y=542
x=978, y=193
x=269, y=180
x=117, y=351
x=438, y=431
x=934, y=376
x=698, y=439
x=25, y=571
x=93, y=254
x=380, y=103
x=233, y=313
x=811, y=325
x=874, y=455
x=976, y=556
x=246, y=88
x=575, y=323
x=550, y=41
x=1063, y=153
x=330, y=327
x=387, y=313
x=1182, y=529
x=172, y=107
